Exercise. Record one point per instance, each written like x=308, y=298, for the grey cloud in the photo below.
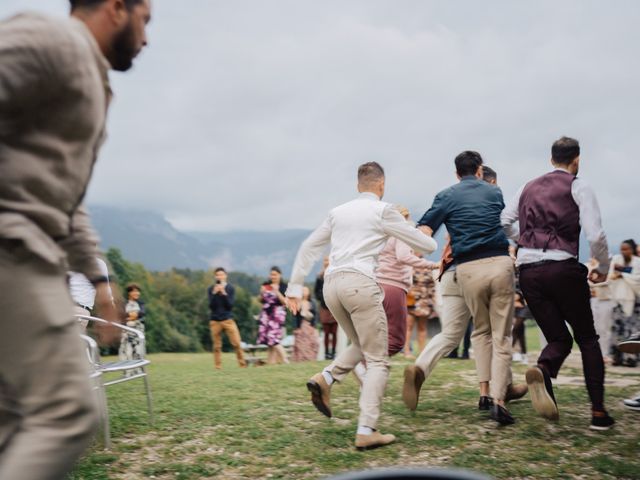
x=251, y=114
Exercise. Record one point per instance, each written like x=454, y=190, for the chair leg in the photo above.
x=104, y=413
x=147, y=389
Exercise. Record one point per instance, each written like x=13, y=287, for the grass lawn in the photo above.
x=259, y=423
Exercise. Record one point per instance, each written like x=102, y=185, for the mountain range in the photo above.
x=149, y=238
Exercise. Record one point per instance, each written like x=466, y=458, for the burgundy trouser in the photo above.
x=395, y=306
x=557, y=292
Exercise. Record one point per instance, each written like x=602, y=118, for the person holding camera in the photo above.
x=221, y=298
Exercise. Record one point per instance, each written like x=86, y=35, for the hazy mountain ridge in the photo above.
x=148, y=238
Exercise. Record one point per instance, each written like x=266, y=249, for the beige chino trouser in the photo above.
x=454, y=317
x=355, y=301
x=48, y=412
x=230, y=327
x=488, y=286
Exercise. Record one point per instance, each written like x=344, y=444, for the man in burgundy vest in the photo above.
x=551, y=211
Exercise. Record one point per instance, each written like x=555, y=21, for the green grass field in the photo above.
x=259, y=423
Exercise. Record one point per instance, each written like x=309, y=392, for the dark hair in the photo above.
x=467, y=163
x=94, y=3
x=219, y=269
x=133, y=286
x=276, y=269
x=565, y=150
x=370, y=172
x=632, y=244
x=488, y=173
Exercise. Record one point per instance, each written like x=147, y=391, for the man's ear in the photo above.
x=118, y=12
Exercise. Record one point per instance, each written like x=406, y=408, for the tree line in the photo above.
x=177, y=318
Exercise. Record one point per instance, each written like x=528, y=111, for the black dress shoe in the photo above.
x=485, y=403
x=501, y=415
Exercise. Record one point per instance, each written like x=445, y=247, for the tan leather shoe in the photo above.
x=515, y=392
x=320, y=393
x=413, y=380
x=375, y=440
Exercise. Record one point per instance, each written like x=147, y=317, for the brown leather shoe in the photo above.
x=515, y=392
x=375, y=440
x=320, y=393
x=413, y=380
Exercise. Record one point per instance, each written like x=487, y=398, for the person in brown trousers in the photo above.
x=54, y=94
x=221, y=298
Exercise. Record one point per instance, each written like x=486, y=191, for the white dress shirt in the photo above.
x=82, y=290
x=590, y=221
x=357, y=231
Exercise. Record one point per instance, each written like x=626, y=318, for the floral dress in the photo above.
x=271, y=319
x=422, y=294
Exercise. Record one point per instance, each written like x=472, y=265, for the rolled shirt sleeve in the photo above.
x=509, y=218
x=436, y=215
x=591, y=222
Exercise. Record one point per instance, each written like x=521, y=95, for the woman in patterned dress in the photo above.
x=306, y=345
x=130, y=346
x=421, y=300
x=272, y=317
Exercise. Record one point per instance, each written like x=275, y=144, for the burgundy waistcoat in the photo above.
x=549, y=216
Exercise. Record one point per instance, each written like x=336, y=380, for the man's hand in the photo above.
x=597, y=277
x=106, y=310
x=426, y=230
x=293, y=304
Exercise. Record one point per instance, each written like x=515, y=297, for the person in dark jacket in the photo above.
x=329, y=324
x=486, y=275
x=221, y=298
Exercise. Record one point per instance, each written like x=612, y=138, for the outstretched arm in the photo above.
x=510, y=216
x=310, y=251
x=396, y=226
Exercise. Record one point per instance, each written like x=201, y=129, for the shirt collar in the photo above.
x=103, y=64
x=469, y=177
x=370, y=195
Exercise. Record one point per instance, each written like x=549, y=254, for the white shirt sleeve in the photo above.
x=405, y=255
x=310, y=251
x=591, y=222
x=510, y=217
x=394, y=225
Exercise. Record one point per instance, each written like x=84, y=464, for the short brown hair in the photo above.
x=369, y=173
x=133, y=286
x=565, y=150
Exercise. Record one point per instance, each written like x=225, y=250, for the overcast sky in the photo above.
x=255, y=114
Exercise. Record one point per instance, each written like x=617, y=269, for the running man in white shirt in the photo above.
x=357, y=231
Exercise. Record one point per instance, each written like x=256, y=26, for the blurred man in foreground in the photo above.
x=54, y=95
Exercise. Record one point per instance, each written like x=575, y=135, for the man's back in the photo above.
x=53, y=100
x=357, y=234
x=471, y=212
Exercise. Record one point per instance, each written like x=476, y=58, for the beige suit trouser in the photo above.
x=454, y=317
x=355, y=301
x=48, y=413
x=488, y=286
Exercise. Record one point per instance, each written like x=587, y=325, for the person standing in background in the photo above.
x=602, y=307
x=624, y=281
x=305, y=347
x=422, y=295
x=130, y=346
x=551, y=211
x=221, y=299
x=54, y=96
x=329, y=324
x=518, y=332
x=273, y=316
